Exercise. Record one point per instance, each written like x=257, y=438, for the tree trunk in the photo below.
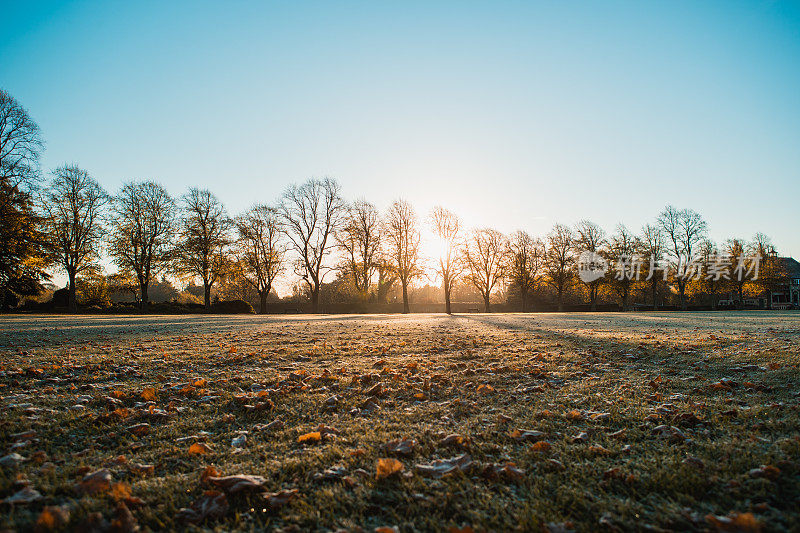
x=447, y=299
x=263, y=296
x=655, y=290
x=405, y=297
x=207, y=295
x=72, y=301
x=315, y=299
x=682, y=290
x=560, y=300
x=486, y=308
x=524, y=300
x=145, y=301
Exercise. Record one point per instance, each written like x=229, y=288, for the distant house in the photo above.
x=786, y=287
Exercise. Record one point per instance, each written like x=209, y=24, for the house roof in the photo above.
x=790, y=266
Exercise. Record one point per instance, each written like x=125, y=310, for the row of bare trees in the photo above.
x=70, y=223
x=148, y=233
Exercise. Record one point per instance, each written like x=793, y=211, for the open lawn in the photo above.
x=498, y=422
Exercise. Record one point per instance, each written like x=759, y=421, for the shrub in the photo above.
x=232, y=307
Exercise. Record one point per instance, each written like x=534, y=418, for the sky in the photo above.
x=514, y=115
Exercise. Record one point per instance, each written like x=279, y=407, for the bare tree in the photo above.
x=710, y=282
x=386, y=278
x=22, y=251
x=683, y=230
x=142, y=224
x=624, y=247
x=447, y=228
x=770, y=270
x=261, y=249
x=312, y=213
x=360, y=240
x=559, y=260
x=525, y=265
x=591, y=238
x=653, y=250
x=485, y=256
x=72, y=207
x=403, y=237
x=20, y=144
x=203, y=239
x=736, y=249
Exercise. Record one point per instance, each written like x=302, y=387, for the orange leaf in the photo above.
x=388, y=467
x=52, y=518
x=149, y=394
x=199, y=448
x=310, y=438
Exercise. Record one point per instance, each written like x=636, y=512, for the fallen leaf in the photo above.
x=149, y=394
x=237, y=483
x=443, y=467
x=310, y=438
x=24, y=496
x=455, y=441
x=387, y=466
x=51, y=518
x=735, y=523
x=766, y=471
x=123, y=522
x=142, y=469
x=503, y=471
x=527, y=435
x=400, y=446
x=213, y=504
x=199, y=448
x=279, y=499
x=98, y=481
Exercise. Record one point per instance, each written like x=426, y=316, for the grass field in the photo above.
x=420, y=423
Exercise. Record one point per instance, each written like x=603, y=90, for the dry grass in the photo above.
x=670, y=421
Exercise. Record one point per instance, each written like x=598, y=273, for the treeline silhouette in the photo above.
x=341, y=252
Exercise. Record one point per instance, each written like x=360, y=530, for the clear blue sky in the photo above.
x=513, y=114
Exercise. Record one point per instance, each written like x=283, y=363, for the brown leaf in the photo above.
x=455, y=441
x=599, y=450
x=208, y=472
x=142, y=469
x=387, y=466
x=400, y=446
x=443, y=467
x=766, y=471
x=123, y=522
x=213, y=504
x=51, y=518
x=149, y=394
x=574, y=414
x=23, y=496
x=140, y=429
x=199, y=448
x=98, y=481
x=735, y=523
x=120, y=491
x=694, y=462
x=507, y=471
x=238, y=483
x=279, y=499
x=542, y=446
x=310, y=438
x=527, y=435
